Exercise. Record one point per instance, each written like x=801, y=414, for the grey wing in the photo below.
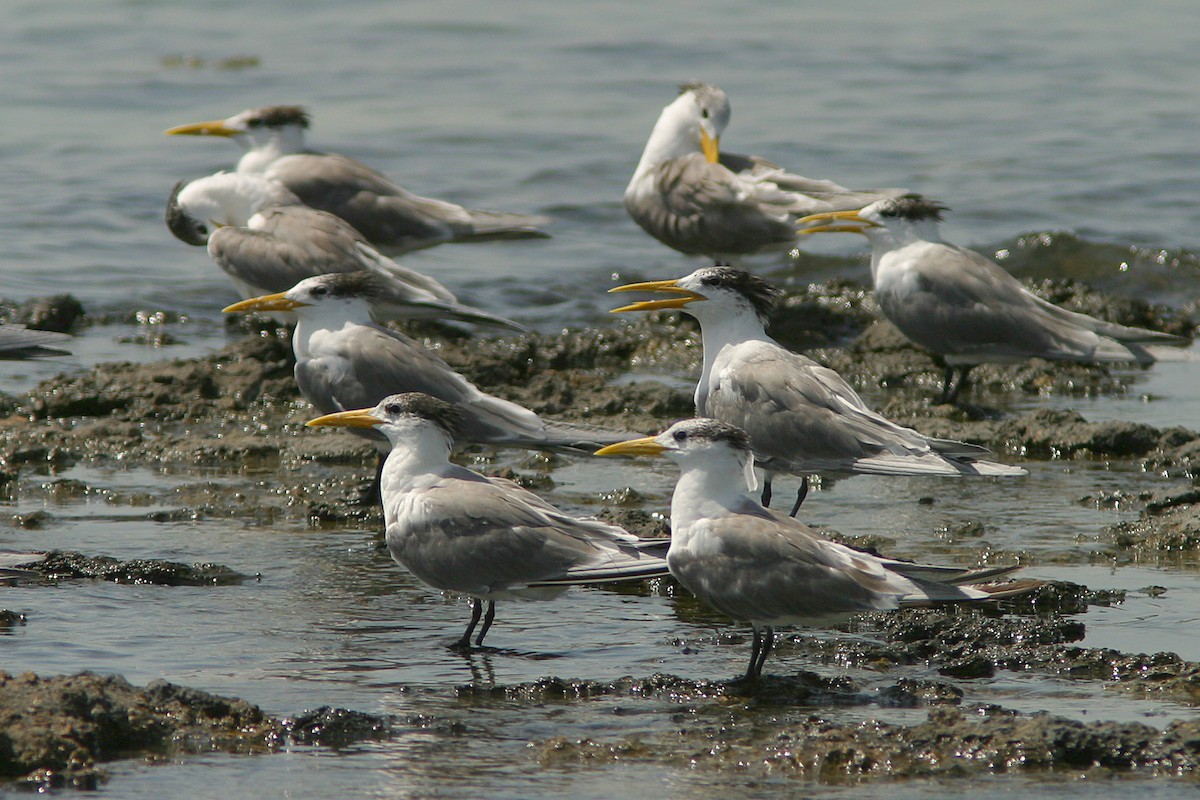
x=289, y=245
x=18, y=342
x=966, y=306
x=474, y=535
x=772, y=569
x=802, y=416
x=796, y=194
x=701, y=208
x=370, y=362
x=388, y=215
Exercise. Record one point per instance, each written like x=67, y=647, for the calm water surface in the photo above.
x=1076, y=119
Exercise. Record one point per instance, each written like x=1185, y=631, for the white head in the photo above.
x=910, y=216
x=278, y=127
x=412, y=421
x=700, y=444
x=692, y=123
x=711, y=295
x=338, y=296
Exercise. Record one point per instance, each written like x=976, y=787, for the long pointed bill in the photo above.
x=217, y=127
x=361, y=418
x=634, y=447
x=836, y=223
x=710, y=146
x=268, y=302
x=669, y=287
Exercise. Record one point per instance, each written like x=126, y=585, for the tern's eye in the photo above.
x=319, y=291
x=704, y=113
x=711, y=280
x=202, y=230
x=392, y=408
x=679, y=436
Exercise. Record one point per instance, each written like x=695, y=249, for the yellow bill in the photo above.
x=268, y=302
x=634, y=447
x=669, y=287
x=360, y=418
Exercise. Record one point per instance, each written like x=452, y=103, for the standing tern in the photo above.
x=700, y=201
x=345, y=360
x=389, y=216
x=756, y=565
x=266, y=241
x=800, y=416
x=965, y=307
x=488, y=538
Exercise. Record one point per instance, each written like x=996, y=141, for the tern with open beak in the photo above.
x=698, y=200
x=345, y=360
x=756, y=565
x=488, y=538
x=800, y=416
x=389, y=216
x=964, y=307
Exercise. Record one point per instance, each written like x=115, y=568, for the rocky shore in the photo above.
x=241, y=405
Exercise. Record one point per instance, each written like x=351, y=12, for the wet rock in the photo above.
x=61, y=565
x=59, y=313
x=11, y=619
x=335, y=727
x=57, y=731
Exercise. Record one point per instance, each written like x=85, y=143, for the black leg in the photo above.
x=801, y=493
x=768, y=644
x=766, y=495
x=465, y=642
x=962, y=383
x=487, y=622
x=751, y=674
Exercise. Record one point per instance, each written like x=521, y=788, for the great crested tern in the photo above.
x=345, y=360
x=698, y=200
x=801, y=417
x=759, y=566
x=488, y=538
x=965, y=307
x=266, y=241
x=18, y=342
x=389, y=216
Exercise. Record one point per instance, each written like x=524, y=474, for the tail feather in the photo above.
x=489, y=225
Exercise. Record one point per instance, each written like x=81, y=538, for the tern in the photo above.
x=801, y=417
x=758, y=566
x=18, y=342
x=345, y=360
x=389, y=216
x=966, y=308
x=698, y=200
x=488, y=538
x=266, y=241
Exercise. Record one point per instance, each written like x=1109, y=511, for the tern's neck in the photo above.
x=709, y=486
x=896, y=235
x=317, y=325
x=676, y=134
x=725, y=330
x=262, y=152
x=232, y=199
x=414, y=463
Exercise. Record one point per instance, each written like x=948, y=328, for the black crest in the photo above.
x=445, y=415
x=361, y=283
x=761, y=295
x=713, y=430
x=913, y=207
x=278, y=116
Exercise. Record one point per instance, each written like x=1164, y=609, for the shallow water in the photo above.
x=1074, y=117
